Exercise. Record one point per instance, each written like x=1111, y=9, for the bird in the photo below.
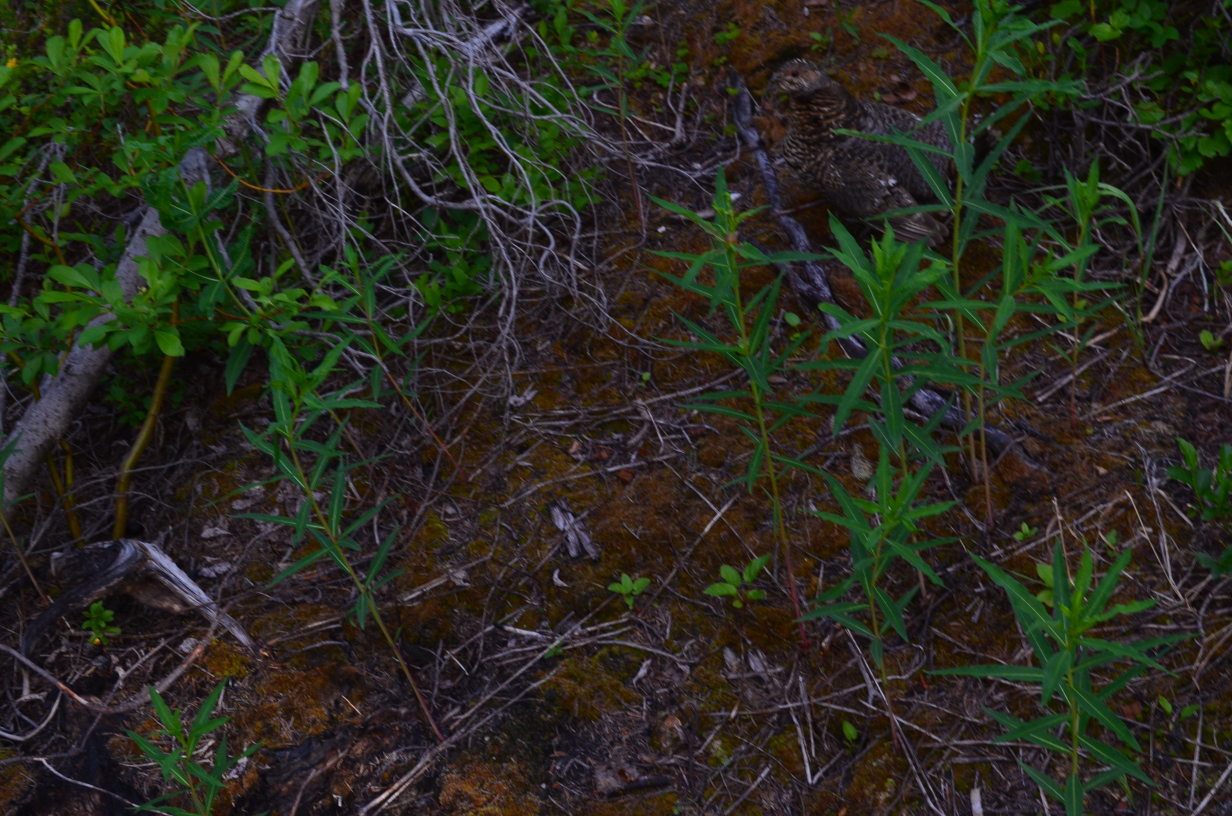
x=859, y=177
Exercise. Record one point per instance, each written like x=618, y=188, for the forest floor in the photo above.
x=558, y=698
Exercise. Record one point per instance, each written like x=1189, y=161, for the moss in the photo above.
x=299, y=701
x=259, y=572
x=585, y=687
x=226, y=660
x=485, y=788
x=15, y=782
x=432, y=533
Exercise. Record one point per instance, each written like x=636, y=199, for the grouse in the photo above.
x=859, y=177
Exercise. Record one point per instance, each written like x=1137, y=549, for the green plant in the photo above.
x=845, y=22
x=997, y=42
x=1084, y=205
x=620, y=16
x=728, y=34
x=1045, y=595
x=198, y=787
x=1212, y=489
x=734, y=580
x=753, y=350
x=629, y=588
x=1209, y=341
x=896, y=337
x=1182, y=85
x=1067, y=656
x=849, y=731
x=318, y=467
x=1025, y=531
x=1223, y=273
x=98, y=620
x=882, y=531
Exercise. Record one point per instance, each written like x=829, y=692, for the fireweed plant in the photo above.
x=997, y=41
x=1067, y=656
x=756, y=350
x=908, y=341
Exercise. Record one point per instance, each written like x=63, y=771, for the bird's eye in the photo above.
x=795, y=73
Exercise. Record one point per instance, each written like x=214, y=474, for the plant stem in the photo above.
x=70, y=506
x=63, y=487
x=1073, y=723
x=1073, y=384
x=780, y=529
x=957, y=248
x=323, y=520
x=22, y=558
x=623, y=102
x=143, y=438
x=984, y=453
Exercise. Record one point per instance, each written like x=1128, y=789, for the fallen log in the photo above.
x=141, y=569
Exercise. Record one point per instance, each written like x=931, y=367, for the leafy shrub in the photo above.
x=1183, y=83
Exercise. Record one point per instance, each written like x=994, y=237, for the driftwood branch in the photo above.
x=64, y=396
x=130, y=565
x=812, y=282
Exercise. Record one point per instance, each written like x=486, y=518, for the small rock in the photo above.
x=861, y=468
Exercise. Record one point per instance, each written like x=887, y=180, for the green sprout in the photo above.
x=629, y=588
x=98, y=621
x=733, y=581
x=1025, y=532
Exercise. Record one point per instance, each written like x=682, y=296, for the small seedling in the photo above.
x=1209, y=341
x=98, y=621
x=1165, y=705
x=849, y=731
x=1025, y=532
x=727, y=35
x=629, y=588
x=198, y=787
x=1224, y=273
x=733, y=581
x=1212, y=493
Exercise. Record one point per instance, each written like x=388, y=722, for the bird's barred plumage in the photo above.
x=859, y=177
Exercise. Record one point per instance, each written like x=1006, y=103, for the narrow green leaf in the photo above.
x=1054, y=673
x=1046, y=783
x=1073, y=796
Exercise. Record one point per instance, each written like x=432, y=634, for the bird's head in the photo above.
x=798, y=78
